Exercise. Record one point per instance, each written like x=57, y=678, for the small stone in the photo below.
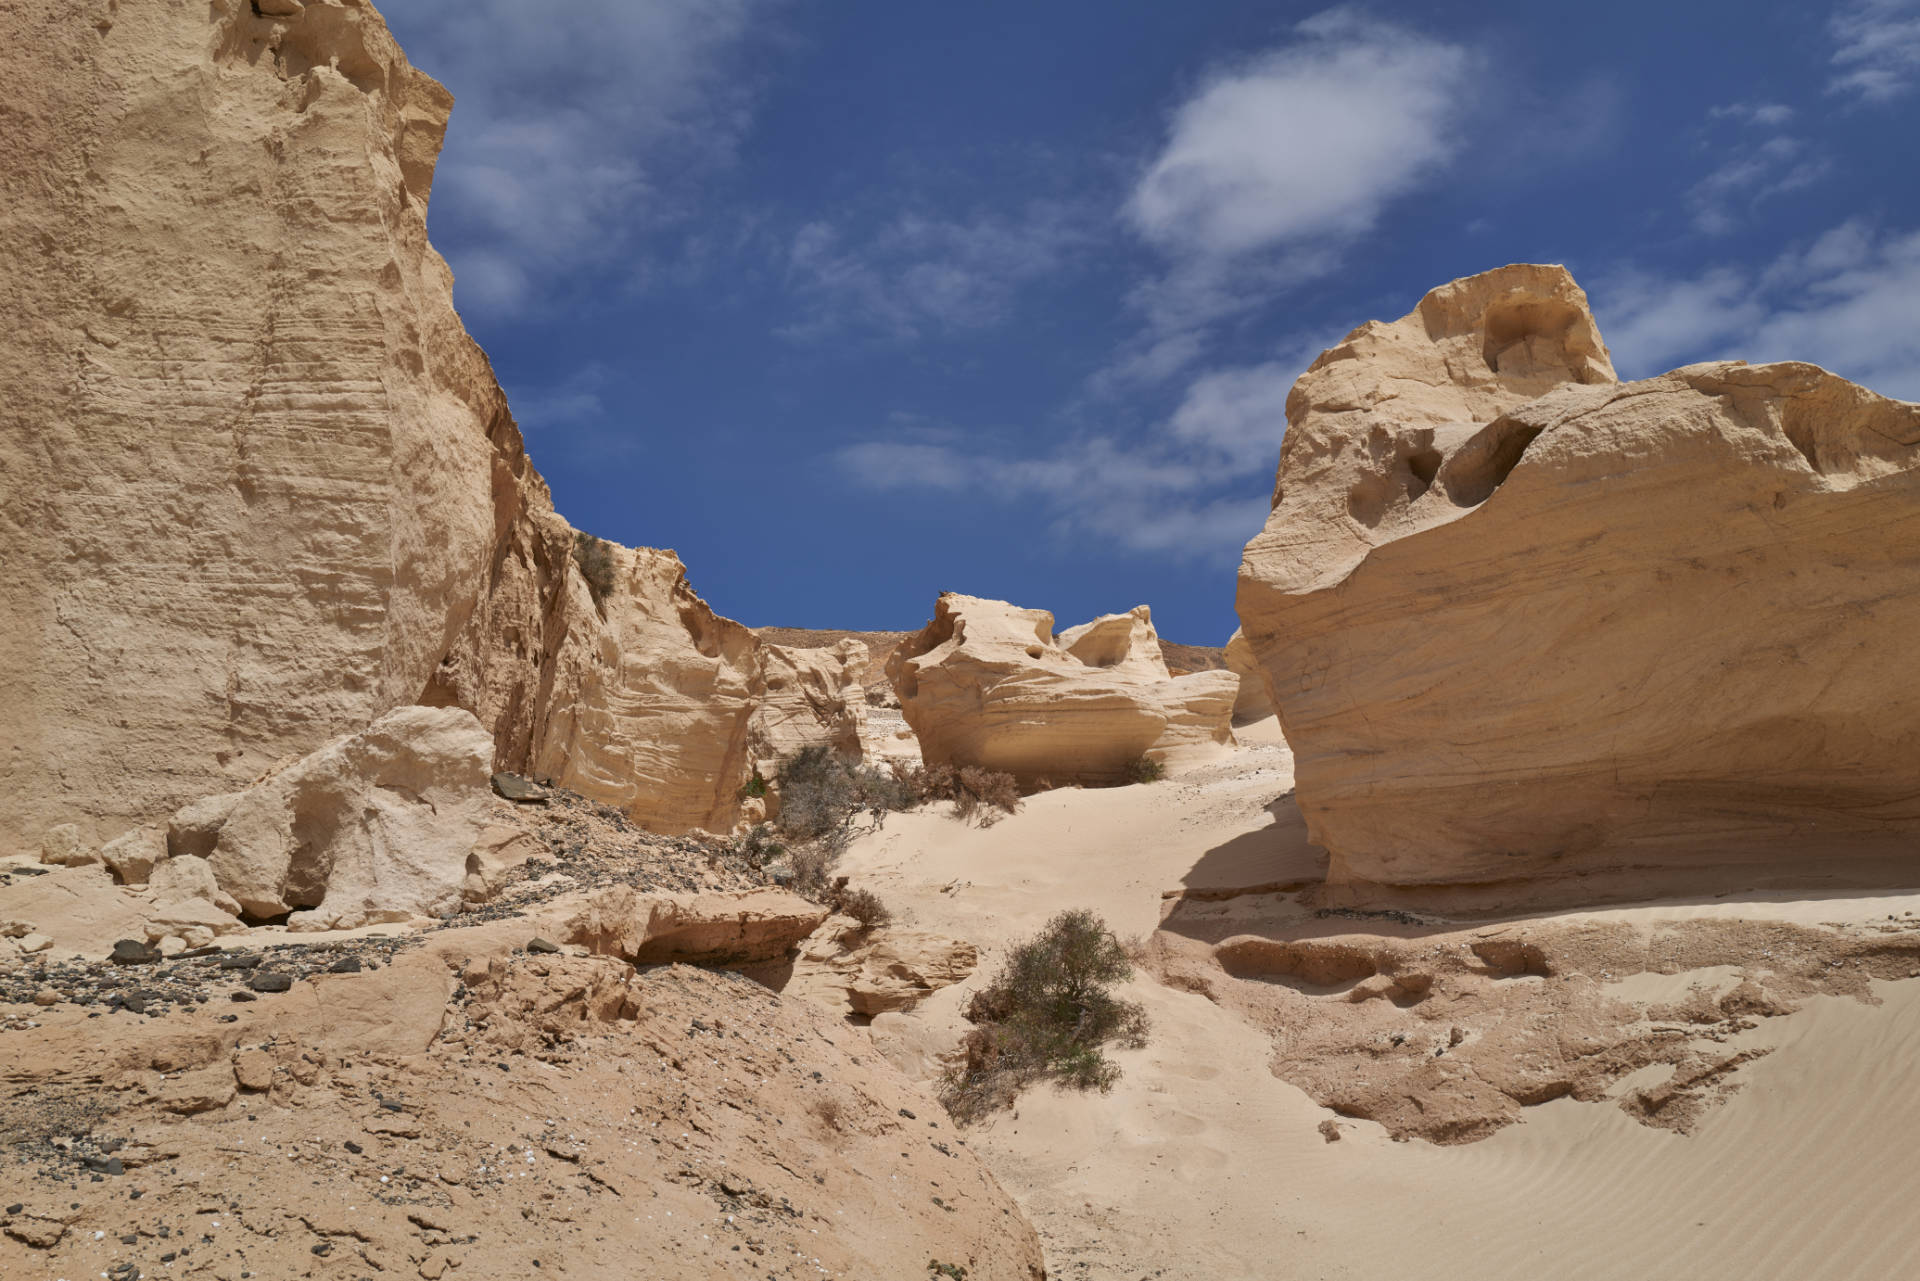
x=345, y=965
x=518, y=790
x=46, y=996
x=35, y=943
x=239, y=962
x=353, y=1147
x=132, y=952
x=269, y=981
x=544, y=946
x=241, y=996
x=253, y=1070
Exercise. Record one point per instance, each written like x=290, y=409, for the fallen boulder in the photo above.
x=989, y=684
x=375, y=826
x=1523, y=620
x=874, y=971
x=743, y=928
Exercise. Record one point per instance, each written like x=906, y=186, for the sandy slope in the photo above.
x=1202, y=1163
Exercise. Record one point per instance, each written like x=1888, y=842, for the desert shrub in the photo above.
x=1145, y=769
x=978, y=795
x=754, y=787
x=759, y=846
x=821, y=793
x=1048, y=1014
x=594, y=557
x=863, y=906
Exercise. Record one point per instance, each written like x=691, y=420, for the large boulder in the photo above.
x=261, y=486
x=989, y=684
x=1524, y=620
x=375, y=826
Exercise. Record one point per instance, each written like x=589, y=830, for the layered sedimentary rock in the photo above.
x=1522, y=619
x=987, y=683
x=261, y=487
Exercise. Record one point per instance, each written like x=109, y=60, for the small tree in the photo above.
x=594, y=558
x=1048, y=1013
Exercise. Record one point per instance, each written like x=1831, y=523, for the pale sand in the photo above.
x=1201, y=1163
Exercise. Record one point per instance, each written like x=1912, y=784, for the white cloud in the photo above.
x=1877, y=49
x=1274, y=167
x=1306, y=143
x=919, y=274
x=575, y=130
x=1845, y=302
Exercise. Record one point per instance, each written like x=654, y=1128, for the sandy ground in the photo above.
x=1203, y=1163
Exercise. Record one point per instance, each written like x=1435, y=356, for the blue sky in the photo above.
x=854, y=304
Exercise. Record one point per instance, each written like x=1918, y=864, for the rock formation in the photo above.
x=261, y=485
x=847, y=966
x=987, y=683
x=380, y=825
x=1522, y=619
x=1254, y=701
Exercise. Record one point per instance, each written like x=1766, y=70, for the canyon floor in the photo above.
x=1742, y=1058
x=1709, y=1085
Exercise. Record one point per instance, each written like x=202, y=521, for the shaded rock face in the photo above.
x=987, y=683
x=1254, y=701
x=261, y=485
x=1523, y=620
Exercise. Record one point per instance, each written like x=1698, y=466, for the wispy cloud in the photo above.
x=573, y=139
x=1751, y=174
x=919, y=274
x=1846, y=302
x=1877, y=49
x=1275, y=166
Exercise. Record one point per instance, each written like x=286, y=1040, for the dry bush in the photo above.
x=830, y=1111
x=978, y=795
x=1145, y=770
x=594, y=557
x=1046, y=1015
x=863, y=906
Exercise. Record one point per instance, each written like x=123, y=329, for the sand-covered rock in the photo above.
x=261, y=485
x=725, y=929
x=375, y=826
x=1524, y=620
x=873, y=971
x=987, y=683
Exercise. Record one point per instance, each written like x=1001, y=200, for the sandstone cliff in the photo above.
x=261, y=485
x=1521, y=619
x=987, y=683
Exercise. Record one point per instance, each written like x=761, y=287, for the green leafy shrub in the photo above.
x=594, y=558
x=1145, y=769
x=1048, y=1014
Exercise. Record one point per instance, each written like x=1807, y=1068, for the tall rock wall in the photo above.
x=1522, y=620
x=260, y=484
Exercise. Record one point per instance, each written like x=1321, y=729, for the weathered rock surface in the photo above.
x=873, y=971
x=261, y=485
x=375, y=826
x=1524, y=620
x=987, y=683
x=726, y=929
x=1254, y=701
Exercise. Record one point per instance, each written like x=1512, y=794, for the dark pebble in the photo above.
x=268, y=981
x=238, y=962
x=392, y=1105
x=241, y=996
x=354, y=1148
x=345, y=965
x=543, y=946
x=17, y=1207
x=130, y=952
x=323, y=1249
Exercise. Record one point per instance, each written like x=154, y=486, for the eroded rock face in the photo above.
x=719, y=929
x=987, y=683
x=1254, y=701
x=1523, y=620
x=375, y=826
x=261, y=485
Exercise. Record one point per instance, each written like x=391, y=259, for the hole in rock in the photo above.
x=1483, y=464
